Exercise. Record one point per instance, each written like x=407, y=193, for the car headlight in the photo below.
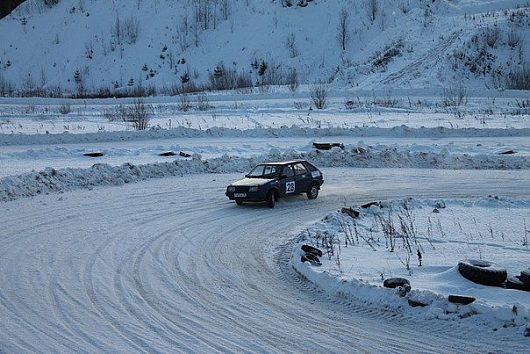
x=231, y=189
x=253, y=189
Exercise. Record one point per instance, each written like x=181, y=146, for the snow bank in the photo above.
x=357, y=257
x=58, y=180
x=402, y=131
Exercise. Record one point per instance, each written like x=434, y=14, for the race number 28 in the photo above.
x=289, y=187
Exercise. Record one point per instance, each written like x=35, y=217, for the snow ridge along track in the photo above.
x=170, y=265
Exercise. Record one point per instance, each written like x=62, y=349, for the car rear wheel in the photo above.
x=312, y=192
x=271, y=199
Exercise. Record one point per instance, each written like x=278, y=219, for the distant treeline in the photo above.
x=6, y=6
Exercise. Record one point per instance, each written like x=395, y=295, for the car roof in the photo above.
x=288, y=162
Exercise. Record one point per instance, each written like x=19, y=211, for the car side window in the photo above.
x=270, y=170
x=299, y=169
x=309, y=167
x=288, y=171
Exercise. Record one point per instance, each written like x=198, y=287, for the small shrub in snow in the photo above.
x=203, y=104
x=272, y=74
x=172, y=90
x=184, y=78
x=65, y=108
x=138, y=114
x=455, y=96
x=223, y=78
x=319, y=95
x=299, y=105
x=184, y=104
x=492, y=36
x=514, y=39
x=190, y=87
x=262, y=68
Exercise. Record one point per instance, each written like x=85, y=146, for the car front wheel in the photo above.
x=271, y=199
x=312, y=192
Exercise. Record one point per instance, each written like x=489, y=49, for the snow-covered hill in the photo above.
x=166, y=46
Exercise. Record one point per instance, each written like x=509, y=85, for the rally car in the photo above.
x=267, y=182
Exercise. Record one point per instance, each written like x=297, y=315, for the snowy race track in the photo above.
x=170, y=265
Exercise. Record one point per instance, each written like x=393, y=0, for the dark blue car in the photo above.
x=267, y=182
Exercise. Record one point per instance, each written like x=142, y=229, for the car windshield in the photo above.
x=264, y=171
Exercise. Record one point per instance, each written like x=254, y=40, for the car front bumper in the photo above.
x=258, y=196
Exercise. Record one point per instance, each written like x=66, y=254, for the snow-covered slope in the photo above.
x=116, y=45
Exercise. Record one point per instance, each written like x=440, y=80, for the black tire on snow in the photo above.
x=482, y=272
x=414, y=303
x=395, y=282
x=312, y=250
x=460, y=299
x=311, y=258
x=516, y=282
x=525, y=276
x=271, y=199
x=312, y=191
x=351, y=212
x=239, y=202
x=369, y=205
x=404, y=290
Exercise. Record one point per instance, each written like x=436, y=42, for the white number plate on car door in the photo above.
x=289, y=187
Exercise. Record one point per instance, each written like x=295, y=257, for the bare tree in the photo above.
x=292, y=80
x=6, y=87
x=131, y=30
x=195, y=34
x=116, y=30
x=290, y=44
x=182, y=33
x=343, y=33
x=372, y=9
x=225, y=9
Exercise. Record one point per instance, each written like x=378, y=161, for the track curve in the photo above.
x=171, y=266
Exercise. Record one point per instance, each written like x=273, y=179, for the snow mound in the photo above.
x=53, y=180
x=423, y=241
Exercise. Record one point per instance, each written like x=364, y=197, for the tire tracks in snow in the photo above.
x=170, y=265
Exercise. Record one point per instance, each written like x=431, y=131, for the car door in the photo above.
x=302, y=178
x=287, y=184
